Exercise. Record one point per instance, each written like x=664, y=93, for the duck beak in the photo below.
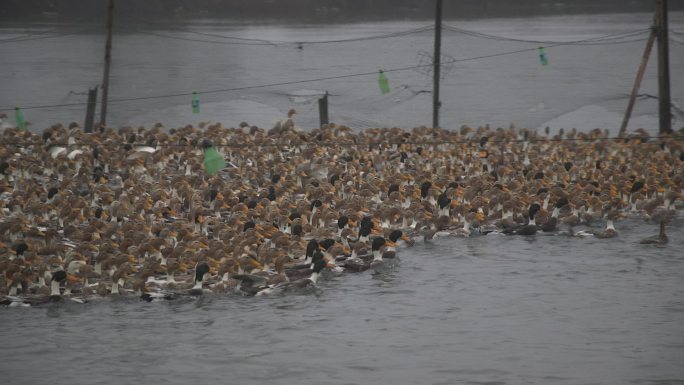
x=256, y=264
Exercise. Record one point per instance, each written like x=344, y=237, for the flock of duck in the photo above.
x=133, y=211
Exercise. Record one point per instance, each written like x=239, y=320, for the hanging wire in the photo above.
x=28, y=35
x=53, y=36
x=607, y=39
x=38, y=35
x=223, y=90
x=366, y=38
x=201, y=40
x=256, y=42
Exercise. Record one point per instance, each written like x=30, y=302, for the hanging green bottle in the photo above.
x=542, y=56
x=19, y=118
x=195, y=103
x=383, y=83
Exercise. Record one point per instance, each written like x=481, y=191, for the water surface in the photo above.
x=484, y=310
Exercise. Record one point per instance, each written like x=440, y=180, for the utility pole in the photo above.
x=637, y=82
x=90, y=112
x=437, y=57
x=323, y=109
x=108, y=59
x=664, y=112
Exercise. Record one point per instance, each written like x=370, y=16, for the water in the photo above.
x=583, y=86
x=484, y=310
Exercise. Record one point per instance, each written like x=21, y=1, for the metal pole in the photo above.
x=437, y=57
x=664, y=112
x=90, y=112
x=637, y=81
x=108, y=59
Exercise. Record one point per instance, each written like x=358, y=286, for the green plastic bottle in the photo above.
x=542, y=56
x=383, y=82
x=195, y=103
x=19, y=118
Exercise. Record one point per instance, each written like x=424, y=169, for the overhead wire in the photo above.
x=200, y=40
x=53, y=36
x=276, y=84
x=593, y=40
x=257, y=42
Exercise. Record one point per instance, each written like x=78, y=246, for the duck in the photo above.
x=58, y=278
x=661, y=215
x=299, y=285
x=201, y=272
x=114, y=219
x=382, y=259
x=302, y=271
x=551, y=224
x=609, y=231
x=531, y=227
x=400, y=238
x=660, y=239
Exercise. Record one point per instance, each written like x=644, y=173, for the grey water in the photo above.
x=584, y=85
x=484, y=310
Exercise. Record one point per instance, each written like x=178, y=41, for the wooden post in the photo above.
x=108, y=59
x=664, y=112
x=323, y=109
x=637, y=82
x=90, y=113
x=437, y=57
